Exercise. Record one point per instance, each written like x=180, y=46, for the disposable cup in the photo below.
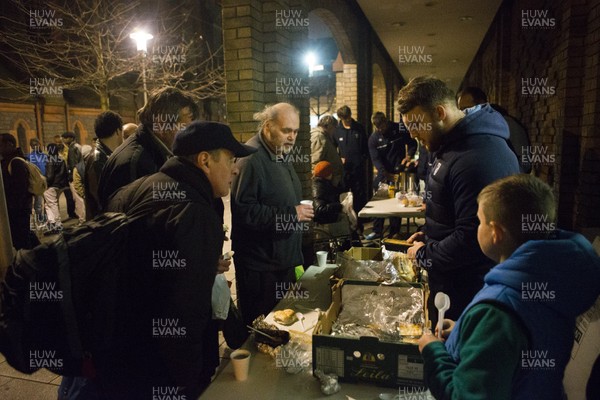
x=321, y=258
x=307, y=202
x=240, y=359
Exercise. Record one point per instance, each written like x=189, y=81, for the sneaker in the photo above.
x=371, y=236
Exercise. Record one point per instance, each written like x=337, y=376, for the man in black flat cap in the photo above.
x=165, y=338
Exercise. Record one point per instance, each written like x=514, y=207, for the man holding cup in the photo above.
x=267, y=217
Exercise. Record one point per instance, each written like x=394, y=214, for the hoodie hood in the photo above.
x=562, y=273
x=482, y=120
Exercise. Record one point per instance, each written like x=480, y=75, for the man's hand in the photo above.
x=305, y=212
x=412, y=251
x=223, y=265
x=426, y=339
x=417, y=236
x=343, y=160
x=406, y=160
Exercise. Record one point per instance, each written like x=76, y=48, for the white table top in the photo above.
x=266, y=382
x=389, y=208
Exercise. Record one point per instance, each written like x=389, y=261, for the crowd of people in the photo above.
x=174, y=176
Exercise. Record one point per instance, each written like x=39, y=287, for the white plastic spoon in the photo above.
x=442, y=303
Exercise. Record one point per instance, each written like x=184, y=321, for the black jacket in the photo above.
x=57, y=174
x=73, y=158
x=352, y=144
x=140, y=155
x=388, y=149
x=473, y=154
x=173, y=267
x=94, y=164
x=266, y=235
x=326, y=201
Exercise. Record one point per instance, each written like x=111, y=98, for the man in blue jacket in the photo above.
x=470, y=151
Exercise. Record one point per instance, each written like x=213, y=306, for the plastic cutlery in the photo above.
x=442, y=303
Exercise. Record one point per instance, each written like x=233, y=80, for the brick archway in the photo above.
x=23, y=133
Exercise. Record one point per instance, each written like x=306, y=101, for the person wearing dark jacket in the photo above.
x=109, y=132
x=167, y=111
x=326, y=196
x=57, y=178
x=164, y=339
x=514, y=339
x=470, y=151
x=267, y=217
x=16, y=187
x=350, y=138
x=73, y=155
x=391, y=149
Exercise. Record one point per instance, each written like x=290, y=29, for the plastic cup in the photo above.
x=240, y=359
x=321, y=258
x=307, y=202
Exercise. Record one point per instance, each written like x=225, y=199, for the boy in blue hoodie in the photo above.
x=514, y=339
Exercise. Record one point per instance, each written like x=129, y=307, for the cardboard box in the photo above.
x=366, y=359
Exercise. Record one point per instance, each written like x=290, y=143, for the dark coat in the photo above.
x=352, y=145
x=93, y=169
x=326, y=201
x=184, y=232
x=388, y=149
x=265, y=234
x=73, y=158
x=139, y=155
x=57, y=174
x=473, y=154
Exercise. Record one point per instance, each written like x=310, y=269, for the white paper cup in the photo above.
x=240, y=359
x=307, y=202
x=321, y=258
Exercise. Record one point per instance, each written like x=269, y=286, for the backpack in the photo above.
x=59, y=301
x=37, y=181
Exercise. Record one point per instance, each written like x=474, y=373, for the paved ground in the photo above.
x=43, y=385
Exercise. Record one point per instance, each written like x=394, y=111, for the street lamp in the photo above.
x=141, y=38
x=311, y=60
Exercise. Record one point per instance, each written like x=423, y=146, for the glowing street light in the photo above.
x=141, y=38
x=310, y=59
